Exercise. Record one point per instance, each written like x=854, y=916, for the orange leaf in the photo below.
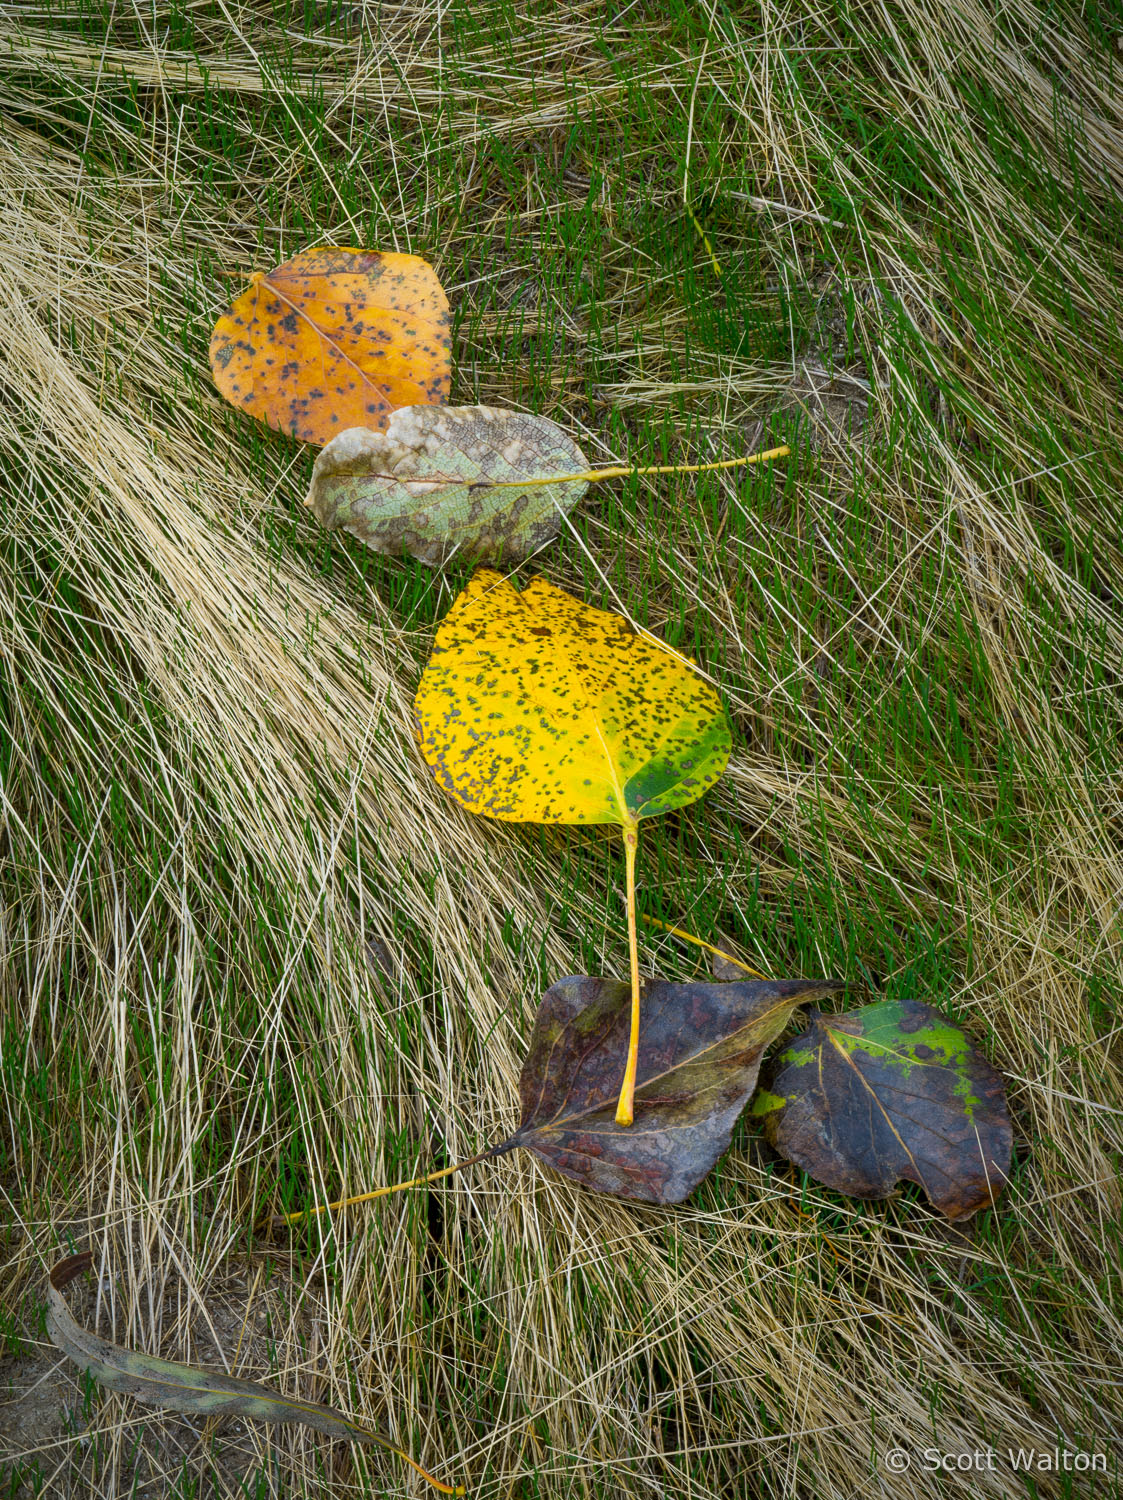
x=335, y=338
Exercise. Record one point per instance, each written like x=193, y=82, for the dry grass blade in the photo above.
x=245, y=942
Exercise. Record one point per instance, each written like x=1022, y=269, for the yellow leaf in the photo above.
x=536, y=707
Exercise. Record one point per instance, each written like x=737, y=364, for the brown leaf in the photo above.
x=335, y=338
x=699, y=1054
x=725, y=967
x=189, y=1388
x=891, y=1091
x=443, y=480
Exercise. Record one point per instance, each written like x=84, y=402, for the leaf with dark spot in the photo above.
x=700, y=1048
x=191, y=1388
x=443, y=481
x=537, y=707
x=335, y=338
x=888, y=1092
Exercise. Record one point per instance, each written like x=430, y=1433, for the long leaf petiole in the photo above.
x=690, y=937
x=397, y=1187
x=625, y=1107
x=594, y=476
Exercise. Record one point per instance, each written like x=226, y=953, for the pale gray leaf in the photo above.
x=432, y=486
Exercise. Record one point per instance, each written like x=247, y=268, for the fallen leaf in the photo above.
x=536, y=707
x=887, y=1092
x=700, y=1048
x=335, y=338
x=191, y=1388
x=438, y=482
x=726, y=968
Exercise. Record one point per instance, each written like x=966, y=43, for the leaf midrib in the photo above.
x=324, y=338
x=560, y=1121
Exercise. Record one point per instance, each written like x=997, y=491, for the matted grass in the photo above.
x=251, y=958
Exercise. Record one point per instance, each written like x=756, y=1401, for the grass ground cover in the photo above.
x=251, y=958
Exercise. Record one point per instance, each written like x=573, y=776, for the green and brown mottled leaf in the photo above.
x=335, y=338
x=536, y=707
x=891, y=1092
x=700, y=1048
x=190, y=1388
x=434, y=485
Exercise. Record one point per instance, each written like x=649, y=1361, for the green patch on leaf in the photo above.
x=445, y=481
x=766, y=1102
x=897, y=1092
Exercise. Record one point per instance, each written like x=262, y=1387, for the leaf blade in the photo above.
x=536, y=707
x=887, y=1092
x=191, y=1389
x=337, y=337
x=699, y=1055
x=436, y=483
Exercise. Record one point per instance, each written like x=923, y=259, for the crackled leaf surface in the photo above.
x=335, y=338
x=887, y=1092
x=188, y=1388
x=429, y=486
x=699, y=1054
x=536, y=707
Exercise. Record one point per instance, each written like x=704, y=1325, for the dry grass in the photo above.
x=249, y=955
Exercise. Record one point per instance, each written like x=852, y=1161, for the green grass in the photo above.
x=211, y=803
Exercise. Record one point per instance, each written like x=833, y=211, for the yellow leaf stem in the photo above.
x=625, y=1108
x=690, y=937
x=594, y=476
x=382, y=1192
